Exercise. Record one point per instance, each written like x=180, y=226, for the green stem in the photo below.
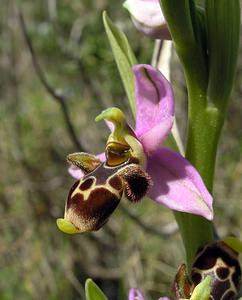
x=204, y=122
x=204, y=127
x=207, y=43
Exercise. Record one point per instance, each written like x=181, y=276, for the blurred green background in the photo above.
x=139, y=246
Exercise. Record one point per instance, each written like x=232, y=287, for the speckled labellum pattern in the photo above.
x=94, y=197
x=220, y=262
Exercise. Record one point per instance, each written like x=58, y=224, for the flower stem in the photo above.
x=202, y=140
x=204, y=126
x=201, y=43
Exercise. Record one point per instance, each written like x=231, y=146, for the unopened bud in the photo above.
x=148, y=18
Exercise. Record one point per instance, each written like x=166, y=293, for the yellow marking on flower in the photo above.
x=83, y=224
x=219, y=264
x=87, y=192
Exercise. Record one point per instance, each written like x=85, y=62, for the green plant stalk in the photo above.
x=204, y=127
x=207, y=100
x=204, y=124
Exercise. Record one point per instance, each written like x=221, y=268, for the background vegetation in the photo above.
x=49, y=113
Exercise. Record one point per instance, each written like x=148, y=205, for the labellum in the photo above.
x=94, y=197
x=220, y=262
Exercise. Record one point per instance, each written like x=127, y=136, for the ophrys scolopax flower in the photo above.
x=135, y=164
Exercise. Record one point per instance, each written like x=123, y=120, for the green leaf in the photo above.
x=123, y=55
x=93, y=292
x=223, y=35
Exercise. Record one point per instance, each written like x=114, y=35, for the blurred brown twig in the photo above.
x=54, y=93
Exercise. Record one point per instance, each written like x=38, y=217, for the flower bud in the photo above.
x=148, y=18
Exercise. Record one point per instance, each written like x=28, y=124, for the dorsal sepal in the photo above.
x=121, y=138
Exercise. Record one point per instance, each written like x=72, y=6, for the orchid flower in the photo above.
x=148, y=18
x=215, y=274
x=135, y=164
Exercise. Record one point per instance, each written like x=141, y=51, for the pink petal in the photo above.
x=77, y=173
x=154, y=107
x=146, y=12
x=110, y=125
x=135, y=294
x=178, y=185
x=101, y=156
x=164, y=298
x=148, y=18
